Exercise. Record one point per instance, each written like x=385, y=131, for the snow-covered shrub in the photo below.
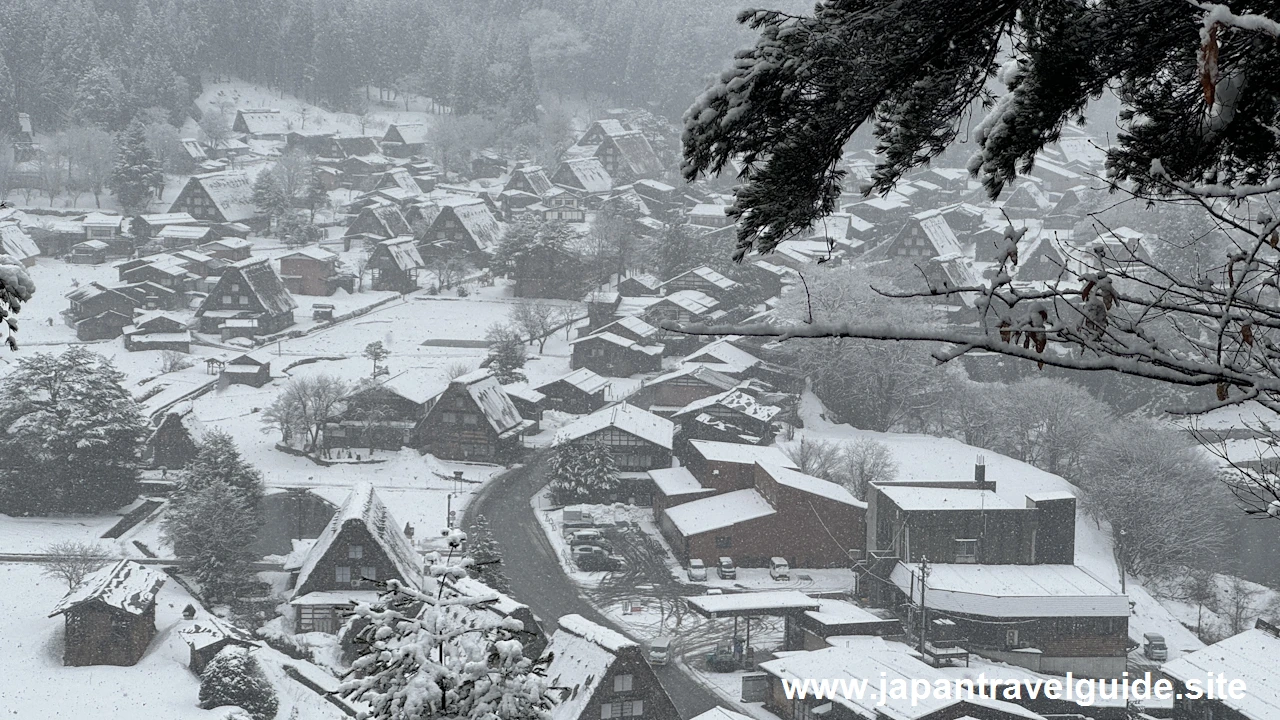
x=582, y=472
x=233, y=677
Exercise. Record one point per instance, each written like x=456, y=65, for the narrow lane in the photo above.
x=538, y=580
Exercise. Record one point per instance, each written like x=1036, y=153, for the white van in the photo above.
x=660, y=651
x=779, y=569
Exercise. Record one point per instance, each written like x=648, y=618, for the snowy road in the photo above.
x=539, y=581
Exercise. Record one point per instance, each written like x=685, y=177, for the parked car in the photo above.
x=660, y=651
x=589, y=537
x=697, y=571
x=593, y=558
x=779, y=569
x=726, y=570
x=1153, y=647
x=577, y=518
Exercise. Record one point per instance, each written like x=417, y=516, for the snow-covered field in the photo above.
x=159, y=686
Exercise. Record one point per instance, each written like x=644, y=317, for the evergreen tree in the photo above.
x=269, y=196
x=522, y=101
x=99, y=98
x=212, y=527
x=486, y=558
x=233, y=677
x=315, y=194
x=73, y=435
x=432, y=654
x=137, y=174
x=8, y=114
x=506, y=354
x=582, y=472
x=218, y=459
x=16, y=287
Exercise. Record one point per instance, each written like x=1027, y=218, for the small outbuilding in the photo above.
x=110, y=615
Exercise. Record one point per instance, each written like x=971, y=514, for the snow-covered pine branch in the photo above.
x=435, y=652
x=16, y=288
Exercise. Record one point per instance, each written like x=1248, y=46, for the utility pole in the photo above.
x=924, y=577
x=1123, y=570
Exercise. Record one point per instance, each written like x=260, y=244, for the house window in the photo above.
x=342, y=575
x=597, y=352
x=626, y=708
x=966, y=551
x=622, y=683
x=227, y=299
x=724, y=541
x=355, y=552
x=244, y=299
x=369, y=572
x=235, y=287
x=470, y=419
x=449, y=417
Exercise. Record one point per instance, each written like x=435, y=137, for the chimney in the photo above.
x=980, y=471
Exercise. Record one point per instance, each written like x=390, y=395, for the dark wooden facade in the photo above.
x=473, y=420
x=614, y=356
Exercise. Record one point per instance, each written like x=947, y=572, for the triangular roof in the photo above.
x=534, y=177
x=583, y=379
x=632, y=324
x=635, y=150
x=734, y=399
x=416, y=385
x=16, y=242
x=723, y=352
x=702, y=373
x=263, y=283
x=625, y=417
x=403, y=251
x=363, y=506
x=408, y=133
x=124, y=585
x=261, y=121
x=474, y=216
x=585, y=174
x=581, y=654
x=493, y=401
x=707, y=274
x=231, y=193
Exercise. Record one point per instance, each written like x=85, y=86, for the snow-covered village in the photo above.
x=676, y=360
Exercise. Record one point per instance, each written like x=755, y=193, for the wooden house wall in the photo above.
x=324, y=575
x=99, y=635
x=448, y=434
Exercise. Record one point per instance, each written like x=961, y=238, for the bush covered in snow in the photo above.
x=582, y=472
x=233, y=677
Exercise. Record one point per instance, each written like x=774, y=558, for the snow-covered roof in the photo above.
x=885, y=665
x=632, y=324
x=183, y=232
x=263, y=282
x=403, y=251
x=625, y=417
x=522, y=391
x=587, y=173
x=410, y=133
x=914, y=498
x=741, y=603
x=707, y=210
x=165, y=219
x=98, y=219
x=492, y=400
x=336, y=597
x=314, y=252
x=583, y=379
x=416, y=385
x=720, y=713
x=363, y=506
x=474, y=216
x=124, y=585
x=636, y=151
x=840, y=612
x=92, y=245
x=1249, y=656
x=695, y=301
x=814, y=486
x=676, y=481
x=501, y=603
x=1007, y=591
x=707, y=274
x=733, y=399
x=581, y=654
x=231, y=192
x=200, y=634
x=725, y=352
x=621, y=342
x=719, y=511
x=264, y=122
x=701, y=372
x=16, y=242
x=739, y=453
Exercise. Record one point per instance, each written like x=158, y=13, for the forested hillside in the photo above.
x=102, y=61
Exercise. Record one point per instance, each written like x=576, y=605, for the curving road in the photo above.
x=538, y=579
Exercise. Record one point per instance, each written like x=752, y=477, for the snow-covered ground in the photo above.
x=159, y=686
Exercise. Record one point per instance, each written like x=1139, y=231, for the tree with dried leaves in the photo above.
x=304, y=406
x=71, y=561
x=537, y=320
x=1196, y=128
